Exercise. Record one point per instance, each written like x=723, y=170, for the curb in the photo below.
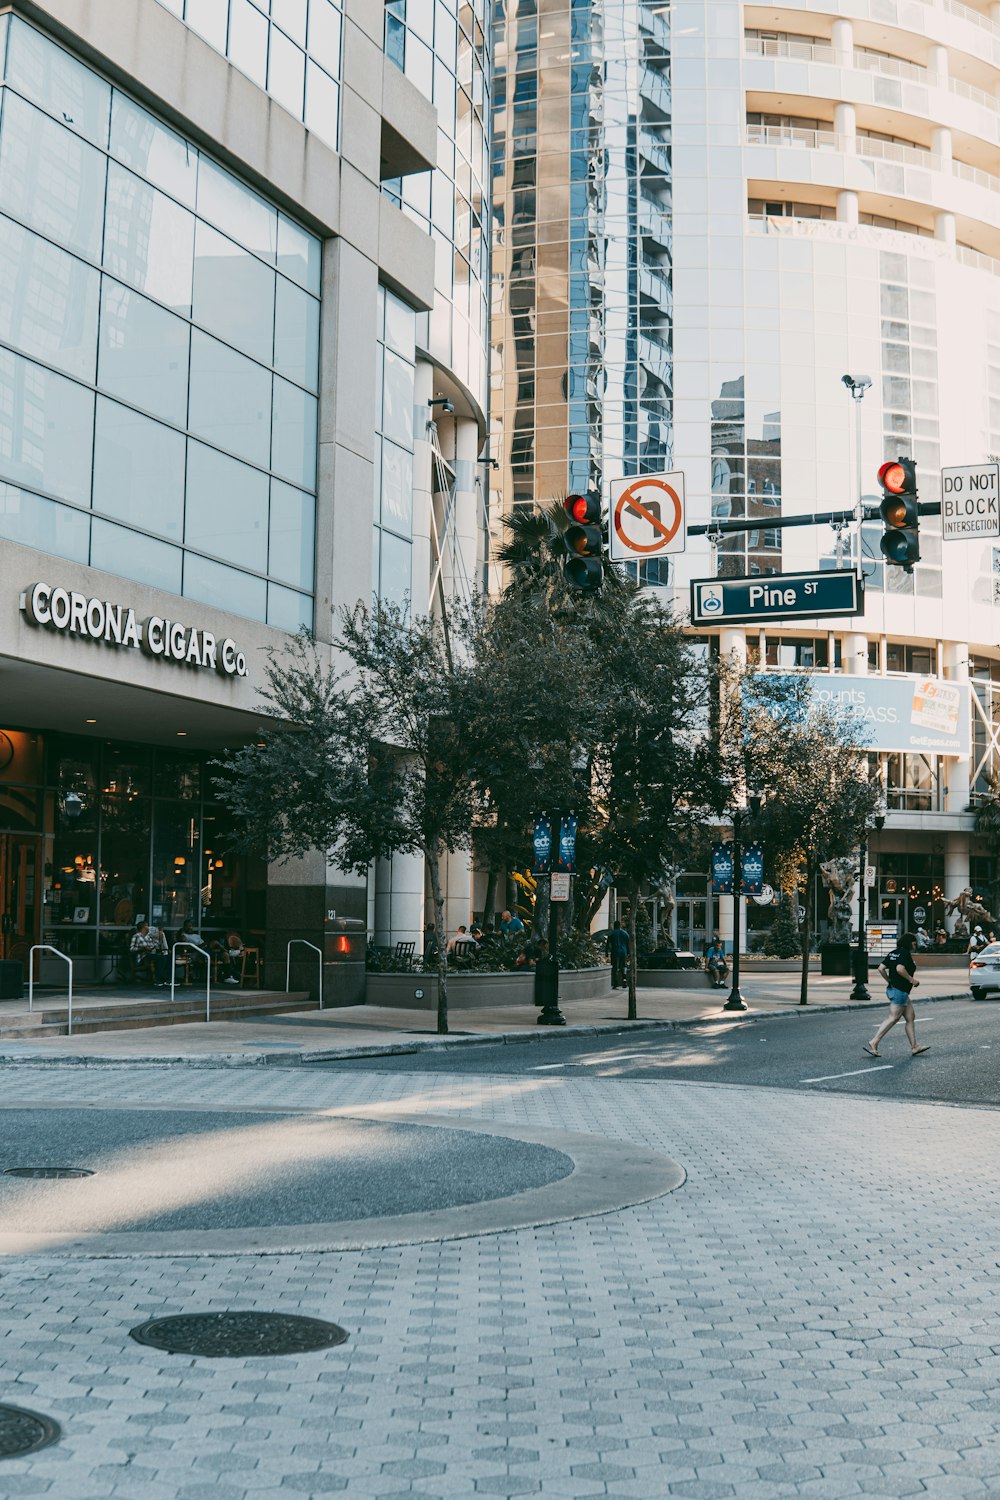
x=436, y=1043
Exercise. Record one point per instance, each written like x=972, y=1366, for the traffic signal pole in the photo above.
x=819, y=518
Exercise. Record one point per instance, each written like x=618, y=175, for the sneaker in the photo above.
x=231, y=980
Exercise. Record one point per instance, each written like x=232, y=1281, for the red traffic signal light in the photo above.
x=898, y=508
x=584, y=539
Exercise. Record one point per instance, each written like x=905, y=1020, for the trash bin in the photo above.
x=11, y=979
x=835, y=958
x=345, y=940
x=546, y=982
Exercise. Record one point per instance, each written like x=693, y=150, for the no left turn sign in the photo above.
x=647, y=516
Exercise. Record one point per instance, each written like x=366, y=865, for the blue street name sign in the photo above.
x=778, y=596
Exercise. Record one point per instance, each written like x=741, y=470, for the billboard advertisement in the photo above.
x=918, y=714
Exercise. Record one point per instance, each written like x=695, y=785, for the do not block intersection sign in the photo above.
x=970, y=502
x=646, y=516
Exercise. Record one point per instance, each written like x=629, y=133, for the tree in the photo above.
x=366, y=763
x=987, y=809
x=813, y=765
x=656, y=772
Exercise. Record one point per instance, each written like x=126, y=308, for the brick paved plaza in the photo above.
x=814, y=1312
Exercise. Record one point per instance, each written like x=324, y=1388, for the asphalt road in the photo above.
x=797, y=1051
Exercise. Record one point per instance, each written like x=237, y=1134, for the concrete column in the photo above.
x=842, y=36
x=937, y=66
x=957, y=769
x=733, y=642
x=406, y=899
x=845, y=123
x=462, y=549
x=944, y=228
x=855, y=654
x=956, y=869
x=995, y=14
x=422, y=563
x=941, y=142
x=847, y=207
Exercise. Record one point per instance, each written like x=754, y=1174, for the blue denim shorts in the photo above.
x=897, y=997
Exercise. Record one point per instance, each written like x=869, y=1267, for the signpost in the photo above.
x=781, y=596
x=560, y=887
x=970, y=502
x=646, y=513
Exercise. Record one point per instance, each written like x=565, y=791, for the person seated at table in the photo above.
x=230, y=956
x=148, y=950
x=193, y=955
x=461, y=936
x=716, y=964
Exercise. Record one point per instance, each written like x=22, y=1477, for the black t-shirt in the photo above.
x=901, y=966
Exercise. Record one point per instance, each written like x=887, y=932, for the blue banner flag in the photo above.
x=753, y=870
x=543, y=845
x=722, y=869
x=567, y=844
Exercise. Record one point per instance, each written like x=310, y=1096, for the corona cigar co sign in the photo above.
x=116, y=625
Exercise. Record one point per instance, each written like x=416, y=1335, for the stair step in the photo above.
x=132, y=1015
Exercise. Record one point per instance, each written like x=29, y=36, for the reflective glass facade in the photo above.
x=159, y=350
x=394, y=416
x=443, y=46
x=291, y=48
x=582, y=256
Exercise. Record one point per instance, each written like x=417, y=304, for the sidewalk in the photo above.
x=371, y=1031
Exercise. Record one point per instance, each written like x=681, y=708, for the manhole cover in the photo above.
x=47, y=1172
x=24, y=1431
x=238, y=1335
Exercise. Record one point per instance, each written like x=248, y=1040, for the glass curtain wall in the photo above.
x=290, y=48
x=393, y=509
x=583, y=384
x=159, y=350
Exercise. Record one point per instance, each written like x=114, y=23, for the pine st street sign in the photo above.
x=777, y=596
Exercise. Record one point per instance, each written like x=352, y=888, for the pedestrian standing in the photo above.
x=619, y=945
x=898, y=969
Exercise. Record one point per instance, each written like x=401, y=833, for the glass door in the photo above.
x=20, y=895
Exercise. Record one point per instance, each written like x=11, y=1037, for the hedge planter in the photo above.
x=480, y=991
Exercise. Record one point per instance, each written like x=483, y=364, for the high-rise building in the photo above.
x=221, y=339
x=820, y=197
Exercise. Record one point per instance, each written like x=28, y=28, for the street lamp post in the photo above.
x=547, y=964
x=860, y=990
x=754, y=801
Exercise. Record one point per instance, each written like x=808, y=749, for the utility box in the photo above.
x=11, y=979
x=835, y=958
x=345, y=942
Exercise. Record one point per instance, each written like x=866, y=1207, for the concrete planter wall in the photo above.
x=478, y=991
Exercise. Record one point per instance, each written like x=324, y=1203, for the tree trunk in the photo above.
x=805, y=934
x=540, y=912
x=434, y=866
x=490, y=902
x=633, y=912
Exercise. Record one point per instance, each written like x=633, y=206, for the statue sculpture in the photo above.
x=970, y=911
x=839, y=878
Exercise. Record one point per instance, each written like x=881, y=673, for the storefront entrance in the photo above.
x=20, y=895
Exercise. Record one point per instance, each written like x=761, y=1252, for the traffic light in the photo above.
x=898, y=509
x=583, y=566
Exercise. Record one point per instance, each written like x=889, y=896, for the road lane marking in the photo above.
x=853, y=1074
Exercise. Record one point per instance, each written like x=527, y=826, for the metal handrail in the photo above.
x=288, y=964
x=197, y=948
x=48, y=948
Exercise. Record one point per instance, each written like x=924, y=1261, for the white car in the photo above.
x=984, y=972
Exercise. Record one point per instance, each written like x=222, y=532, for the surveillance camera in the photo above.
x=847, y=380
x=448, y=408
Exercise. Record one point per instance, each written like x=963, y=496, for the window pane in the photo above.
x=148, y=240
x=39, y=523
x=233, y=294
x=230, y=399
x=138, y=470
x=400, y=326
x=291, y=17
x=224, y=588
x=46, y=428
x=397, y=399
x=208, y=18
x=296, y=334
x=63, y=87
x=324, y=35
x=397, y=489
x=322, y=105
x=51, y=179
x=286, y=73
x=299, y=254
x=48, y=301
x=394, y=580
x=152, y=150
x=143, y=353
x=288, y=611
x=292, y=531
x=248, y=41
x=293, y=434
x=132, y=555
x=237, y=211
x=226, y=512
